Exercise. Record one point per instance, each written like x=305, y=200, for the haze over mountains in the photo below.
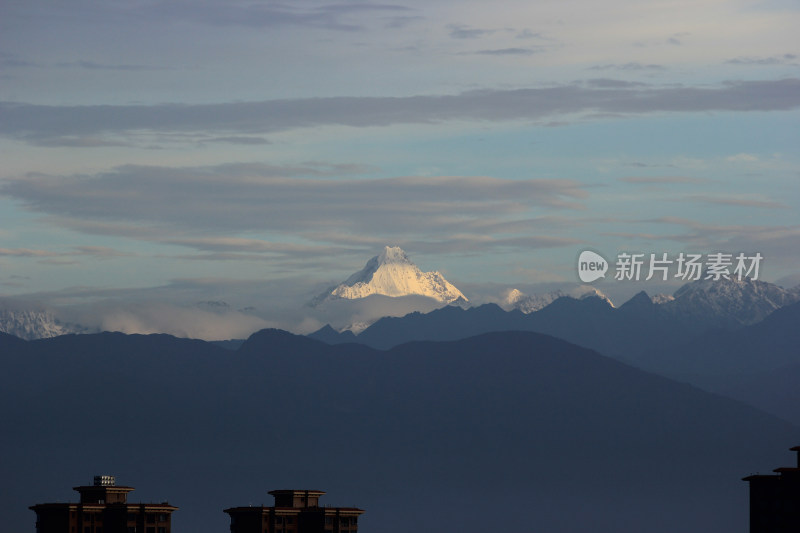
x=389, y=285
x=592, y=320
x=559, y=437
x=566, y=411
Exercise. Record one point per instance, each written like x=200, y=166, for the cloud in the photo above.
x=785, y=59
x=605, y=83
x=73, y=141
x=528, y=34
x=781, y=241
x=159, y=317
x=238, y=140
x=735, y=201
x=335, y=16
x=677, y=38
x=13, y=61
x=248, y=118
x=458, y=31
x=632, y=66
x=508, y=52
x=94, y=251
x=661, y=180
x=402, y=21
x=92, y=65
x=639, y=164
x=742, y=158
x=26, y=252
x=209, y=208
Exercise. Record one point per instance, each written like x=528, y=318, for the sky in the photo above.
x=160, y=154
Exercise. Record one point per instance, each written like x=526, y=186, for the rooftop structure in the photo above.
x=103, y=508
x=775, y=499
x=295, y=511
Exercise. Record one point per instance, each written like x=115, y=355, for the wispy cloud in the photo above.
x=509, y=52
x=742, y=158
x=458, y=31
x=26, y=252
x=735, y=201
x=336, y=16
x=205, y=207
x=785, y=59
x=631, y=66
x=238, y=140
x=73, y=141
x=606, y=83
x=92, y=65
x=93, y=251
x=662, y=180
x=38, y=121
x=677, y=38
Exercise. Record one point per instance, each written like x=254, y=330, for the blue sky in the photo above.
x=174, y=152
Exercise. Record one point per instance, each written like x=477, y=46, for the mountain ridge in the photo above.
x=501, y=419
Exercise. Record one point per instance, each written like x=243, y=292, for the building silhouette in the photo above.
x=295, y=511
x=103, y=508
x=775, y=500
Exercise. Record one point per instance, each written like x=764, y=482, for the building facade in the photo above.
x=295, y=511
x=775, y=500
x=103, y=508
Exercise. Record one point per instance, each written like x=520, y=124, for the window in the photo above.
x=131, y=529
x=162, y=517
x=162, y=530
x=151, y=518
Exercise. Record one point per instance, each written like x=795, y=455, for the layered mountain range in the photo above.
x=391, y=285
x=558, y=437
x=564, y=410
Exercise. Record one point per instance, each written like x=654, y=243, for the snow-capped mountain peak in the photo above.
x=744, y=301
x=393, y=254
x=391, y=273
x=516, y=299
x=31, y=323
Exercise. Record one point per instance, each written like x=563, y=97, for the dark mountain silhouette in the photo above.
x=231, y=344
x=775, y=391
x=765, y=346
x=329, y=335
x=590, y=322
x=515, y=430
x=682, y=339
x=447, y=323
x=9, y=342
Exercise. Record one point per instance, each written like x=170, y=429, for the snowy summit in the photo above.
x=393, y=274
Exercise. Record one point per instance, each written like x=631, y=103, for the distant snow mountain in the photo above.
x=391, y=273
x=516, y=299
x=732, y=302
x=31, y=324
x=662, y=298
